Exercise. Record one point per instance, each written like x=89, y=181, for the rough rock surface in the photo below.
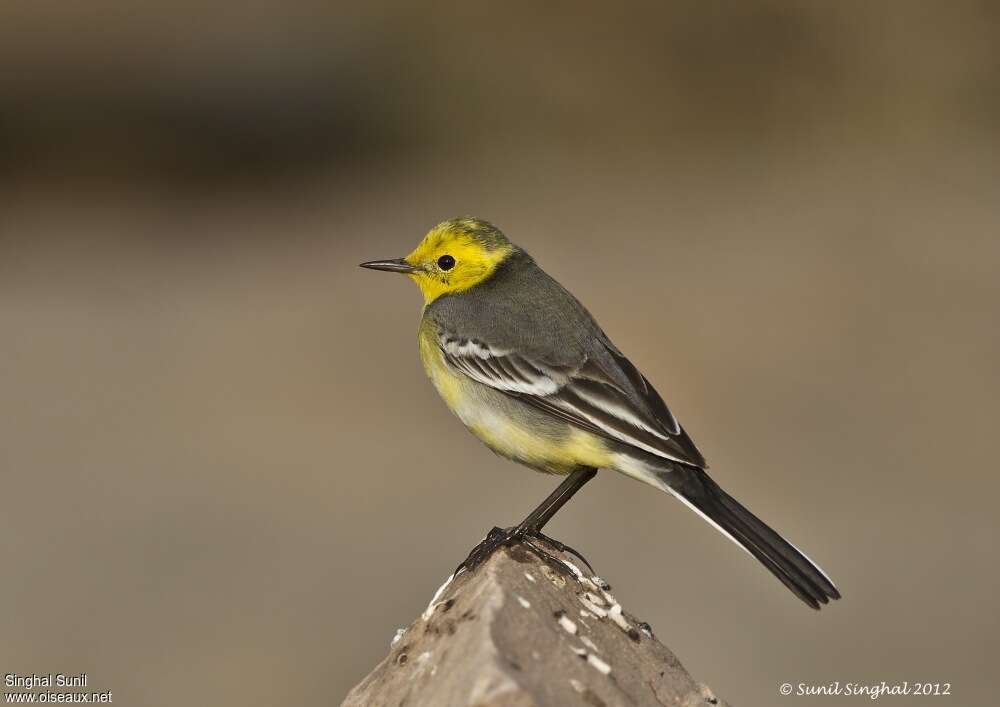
x=519, y=632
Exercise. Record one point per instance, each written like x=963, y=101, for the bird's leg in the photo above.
x=537, y=519
x=531, y=527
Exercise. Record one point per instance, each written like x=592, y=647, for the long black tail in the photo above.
x=780, y=557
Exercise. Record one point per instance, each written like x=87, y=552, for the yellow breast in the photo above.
x=510, y=427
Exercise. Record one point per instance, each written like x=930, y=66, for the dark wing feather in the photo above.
x=617, y=404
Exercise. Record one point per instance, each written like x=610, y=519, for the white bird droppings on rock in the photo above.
x=601, y=666
x=429, y=611
x=568, y=625
x=523, y=602
x=600, y=583
x=593, y=608
x=615, y=614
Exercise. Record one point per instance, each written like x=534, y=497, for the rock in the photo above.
x=520, y=632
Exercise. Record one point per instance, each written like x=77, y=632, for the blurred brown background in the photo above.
x=225, y=479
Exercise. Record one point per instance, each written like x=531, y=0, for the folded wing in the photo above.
x=608, y=397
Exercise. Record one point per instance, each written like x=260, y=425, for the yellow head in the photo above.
x=454, y=256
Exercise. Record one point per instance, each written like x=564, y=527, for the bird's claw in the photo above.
x=562, y=547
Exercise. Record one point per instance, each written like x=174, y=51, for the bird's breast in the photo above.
x=508, y=426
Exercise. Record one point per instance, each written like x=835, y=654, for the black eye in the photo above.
x=446, y=262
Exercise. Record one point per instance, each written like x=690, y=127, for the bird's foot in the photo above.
x=526, y=536
x=494, y=540
x=562, y=547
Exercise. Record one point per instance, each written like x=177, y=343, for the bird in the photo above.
x=528, y=370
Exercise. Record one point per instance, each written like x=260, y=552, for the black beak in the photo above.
x=397, y=265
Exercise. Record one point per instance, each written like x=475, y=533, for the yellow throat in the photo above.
x=456, y=255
